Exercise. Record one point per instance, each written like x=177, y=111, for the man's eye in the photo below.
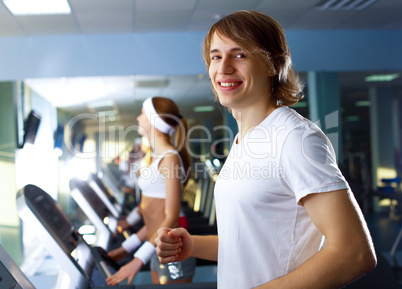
x=240, y=55
x=215, y=57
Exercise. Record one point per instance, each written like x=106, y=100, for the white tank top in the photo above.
x=152, y=182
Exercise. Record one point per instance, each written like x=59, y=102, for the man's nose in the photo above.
x=226, y=66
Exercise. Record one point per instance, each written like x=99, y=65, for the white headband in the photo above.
x=154, y=118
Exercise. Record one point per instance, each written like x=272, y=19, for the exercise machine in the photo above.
x=11, y=276
x=96, y=211
x=83, y=266
x=105, y=195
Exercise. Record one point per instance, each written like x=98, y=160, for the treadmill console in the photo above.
x=96, y=211
x=52, y=217
x=53, y=227
x=100, y=184
x=11, y=277
x=91, y=197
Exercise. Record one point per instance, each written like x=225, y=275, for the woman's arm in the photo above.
x=348, y=253
x=129, y=270
x=132, y=243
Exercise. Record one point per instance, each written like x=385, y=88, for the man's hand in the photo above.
x=173, y=245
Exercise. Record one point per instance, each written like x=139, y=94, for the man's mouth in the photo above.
x=229, y=84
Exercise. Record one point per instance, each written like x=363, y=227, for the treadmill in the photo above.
x=37, y=209
x=11, y=276
x=110, y=181
x=103, y=193
x=80, y=262
x=96, y=211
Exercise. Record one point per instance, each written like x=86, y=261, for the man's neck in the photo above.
x=248, y=118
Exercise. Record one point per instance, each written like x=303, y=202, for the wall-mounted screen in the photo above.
x=31, y=127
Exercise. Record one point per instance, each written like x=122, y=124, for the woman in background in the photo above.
x=161, y=184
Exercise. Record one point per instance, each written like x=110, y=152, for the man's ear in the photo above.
x=271, y=71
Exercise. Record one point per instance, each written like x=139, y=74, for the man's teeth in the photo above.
x=226, y=84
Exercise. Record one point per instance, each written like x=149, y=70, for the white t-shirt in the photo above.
x=263, y=231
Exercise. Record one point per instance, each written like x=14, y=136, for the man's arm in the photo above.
x=348, y=253
x=206, y=247
x=174, y=245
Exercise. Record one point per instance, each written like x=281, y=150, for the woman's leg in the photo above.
x=155, y=277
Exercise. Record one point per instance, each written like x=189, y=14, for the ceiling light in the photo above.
x=101, y=104
x=352, y=118
x=381, y=77
x=204, y=108
x=106, y=113
x=151, y=83
x=363, y=5
x=343, y=4
x=109, y=116
x=37, y=7
x=363, y=103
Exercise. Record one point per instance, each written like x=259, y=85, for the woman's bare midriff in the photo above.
x=153, y=213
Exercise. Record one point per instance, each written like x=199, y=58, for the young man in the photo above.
x=286, y=216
